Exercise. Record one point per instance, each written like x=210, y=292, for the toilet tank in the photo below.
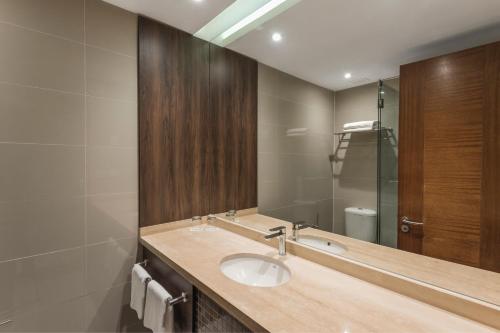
x=361, y=223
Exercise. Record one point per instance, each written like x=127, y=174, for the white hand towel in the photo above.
x=367, y=124
x=138, y=293
x=158, y=315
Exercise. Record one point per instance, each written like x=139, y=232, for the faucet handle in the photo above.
x=298, y=224
x=279, y=228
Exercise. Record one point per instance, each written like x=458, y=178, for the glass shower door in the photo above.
x=387, y=199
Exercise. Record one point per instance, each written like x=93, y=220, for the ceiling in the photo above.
x=324, y=39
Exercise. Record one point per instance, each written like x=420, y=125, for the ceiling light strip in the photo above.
x=252, y=17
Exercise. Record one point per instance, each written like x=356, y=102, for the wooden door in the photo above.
x=449, y=147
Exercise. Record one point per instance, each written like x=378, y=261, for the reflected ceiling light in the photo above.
x=198, y=0
x=252, y=17
x=347, y=75
x=241, y=17
x=277, y=37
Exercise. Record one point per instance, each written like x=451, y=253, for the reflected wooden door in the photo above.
x=449, y=115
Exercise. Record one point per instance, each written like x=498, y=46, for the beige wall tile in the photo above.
x=41, y=280
x=40, y=171
x=65, y=316
x=40, y=116
x=31, y=227
x=294, y=172
x=111, y=217
x=110, y=27
x=43, y=167
x=358, y=190
x=268, y=167
x=109, y=311
x=111, y=75
x=36, y=59
x=109, y=264
x=111, y=170
x=356, y=104
x=111, y=122
x=59, y=17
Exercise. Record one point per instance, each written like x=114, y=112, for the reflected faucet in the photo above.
x=299, y=225
x=231, y=214
x=281, y=234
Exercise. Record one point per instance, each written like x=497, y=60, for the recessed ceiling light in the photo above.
x=198, y=0
x=347, y=75
x=277, y=37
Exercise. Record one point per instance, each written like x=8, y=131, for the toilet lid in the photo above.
x=360, y=211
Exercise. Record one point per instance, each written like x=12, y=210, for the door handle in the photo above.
x=407, y=221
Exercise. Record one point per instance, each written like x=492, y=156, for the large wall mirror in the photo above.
x=395, y=173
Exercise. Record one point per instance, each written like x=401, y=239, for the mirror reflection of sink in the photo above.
x=255, y=270
x=322, y=244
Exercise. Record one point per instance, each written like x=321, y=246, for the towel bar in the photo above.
x=181, y=299
x=143, y=263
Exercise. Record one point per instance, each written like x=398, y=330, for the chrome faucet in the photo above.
x=231, y=214
x=299, y=225
x=279, y=232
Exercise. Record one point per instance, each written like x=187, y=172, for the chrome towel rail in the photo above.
x=183, y=298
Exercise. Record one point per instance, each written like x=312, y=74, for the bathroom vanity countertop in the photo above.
x=316, y=299
x=477, y=283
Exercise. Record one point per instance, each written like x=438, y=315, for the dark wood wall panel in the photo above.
x=197, y=126
x=490, y=192
x=450, y=156
x=233, y=104
x=173, y=113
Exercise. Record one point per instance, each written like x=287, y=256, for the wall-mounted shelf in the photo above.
x=364, y=131
x=342, y=138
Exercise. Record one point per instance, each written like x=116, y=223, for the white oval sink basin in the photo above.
x=255, y=270
x=322, y=244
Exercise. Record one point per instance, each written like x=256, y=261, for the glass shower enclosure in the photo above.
x=387, y=163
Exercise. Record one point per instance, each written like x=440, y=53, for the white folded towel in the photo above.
x=367, y=124
x=158, y=315
x=138, y=293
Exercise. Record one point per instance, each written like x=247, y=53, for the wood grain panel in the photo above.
x=233, y=108
x=452, y=110
x=173, y=113
x=197, y=126
x=410, y=164
x=490, y=192
x=455, y=100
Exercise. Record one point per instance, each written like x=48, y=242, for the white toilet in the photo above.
x=361, y=223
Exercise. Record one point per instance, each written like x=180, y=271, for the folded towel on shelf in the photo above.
x=158, y=315
x=361, y=125
x=138, y=293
